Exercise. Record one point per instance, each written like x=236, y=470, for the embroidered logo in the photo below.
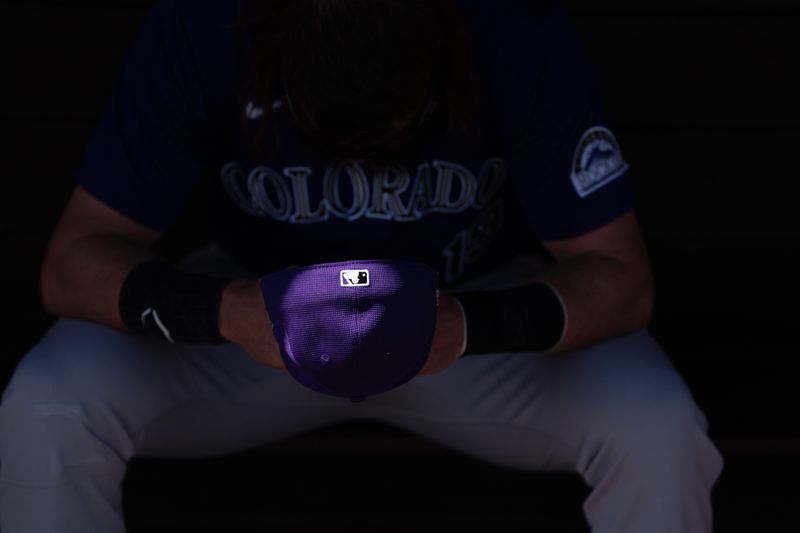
x=152, y=312
x=598, y=161
x=354, y=278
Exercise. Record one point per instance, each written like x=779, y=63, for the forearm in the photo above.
x=242, y=309
x=602, y=298
x=243, y=319
x=83, y=280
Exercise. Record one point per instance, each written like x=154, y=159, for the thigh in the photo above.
x=146, y=397
x=543, y=411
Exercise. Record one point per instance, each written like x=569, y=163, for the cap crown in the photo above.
x=355, y=328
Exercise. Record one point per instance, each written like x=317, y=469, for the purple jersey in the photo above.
x=539, y=162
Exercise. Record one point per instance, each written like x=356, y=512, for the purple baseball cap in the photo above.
x=355, y=328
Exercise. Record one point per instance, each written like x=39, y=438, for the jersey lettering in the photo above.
x=347, y=192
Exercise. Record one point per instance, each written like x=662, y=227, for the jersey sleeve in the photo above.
x=150, y=145
x=566, y=165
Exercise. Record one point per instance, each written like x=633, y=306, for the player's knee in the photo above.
x=49, y=427
x=60, y=378
x=668, y=424
x=660, y=434
x=44, y=377
x=40, y=390
x=79, y=362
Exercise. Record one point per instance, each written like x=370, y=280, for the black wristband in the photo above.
x=161, y=301
x=519, y=319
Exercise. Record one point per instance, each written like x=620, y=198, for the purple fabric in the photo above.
x=355, y=334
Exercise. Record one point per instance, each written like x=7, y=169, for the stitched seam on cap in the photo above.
x=358, y=337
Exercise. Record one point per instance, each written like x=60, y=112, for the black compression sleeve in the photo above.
x=161, y=301
x=527, y=318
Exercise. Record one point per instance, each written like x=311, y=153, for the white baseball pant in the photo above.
x=88, y=398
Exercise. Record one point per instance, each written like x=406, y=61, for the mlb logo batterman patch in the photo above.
x=598, y=161
x=354, y=278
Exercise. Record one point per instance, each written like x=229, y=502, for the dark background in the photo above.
x=704, y=94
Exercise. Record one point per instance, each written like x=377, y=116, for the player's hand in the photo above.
x=448, y=337
x=243, y=319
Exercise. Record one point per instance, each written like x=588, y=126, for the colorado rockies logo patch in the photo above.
x=354, y=278
x=598, y=161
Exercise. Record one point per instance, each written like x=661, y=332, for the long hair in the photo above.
x=351, y=66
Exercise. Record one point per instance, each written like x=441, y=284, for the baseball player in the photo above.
x=419, y=215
